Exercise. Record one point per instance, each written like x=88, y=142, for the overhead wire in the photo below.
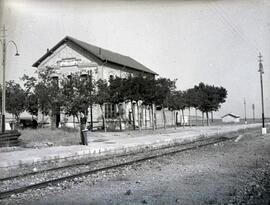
x=221, y=13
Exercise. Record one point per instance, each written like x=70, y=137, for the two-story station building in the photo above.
x=71, y=55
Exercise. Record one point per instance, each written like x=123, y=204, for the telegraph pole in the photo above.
x=253, y=111
x=261, y=81
x=4, y=53
x=245, y=111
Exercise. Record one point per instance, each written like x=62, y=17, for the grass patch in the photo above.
x=43, y=137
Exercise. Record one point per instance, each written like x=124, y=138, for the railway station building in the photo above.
x=74, y=56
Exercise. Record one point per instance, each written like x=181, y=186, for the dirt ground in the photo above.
x=231, y=172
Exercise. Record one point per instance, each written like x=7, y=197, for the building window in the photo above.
x=110, y=111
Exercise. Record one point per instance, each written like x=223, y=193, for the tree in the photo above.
x=188, y=100
x=31, y=104
x=78, y=94
x=128, y=84
x=117, y=95
x=219, y=95
x=70, y=95
x=178, y=102
x=211, y=98
x=192, y=100
x=135, y=87
x=175, y=98
x=15, y=100
x=164, y=88
x=149, y=96
x=47, y=92
x=102, y=96
x=31, y=101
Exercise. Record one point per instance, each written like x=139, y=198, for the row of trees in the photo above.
x=205, y=98
x=76, y=93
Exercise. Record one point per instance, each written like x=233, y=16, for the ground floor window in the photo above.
x=110, y=111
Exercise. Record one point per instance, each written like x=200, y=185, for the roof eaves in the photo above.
x=49, y=52
x=100, y=57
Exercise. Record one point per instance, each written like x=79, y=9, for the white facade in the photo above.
x=67, y=59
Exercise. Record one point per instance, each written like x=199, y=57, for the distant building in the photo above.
x=74, y=56
x=230, y=118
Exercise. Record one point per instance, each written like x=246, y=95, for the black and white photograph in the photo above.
x=132, y=102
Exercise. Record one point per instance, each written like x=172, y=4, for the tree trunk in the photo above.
x=17, y=122
x=153, y=117
x=53, y=120
x=82, y=127
x=183, y=117
x=138, y=115
x=73, y=122
x=125, y=114
x=202, y=118
x=120, y=117
x=196, y=116
x=91, y=115
x=150, y=116
x=164, y=118
x=42, y=124
x=103, y=118
x=145, y=115
x=174, y=119
x=207, y=118
x=212, y=119
x=141, y=114
x=189, y=117
x=133, y=115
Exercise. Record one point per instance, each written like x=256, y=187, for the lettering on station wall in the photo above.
x=74, y=62
x=68, y=62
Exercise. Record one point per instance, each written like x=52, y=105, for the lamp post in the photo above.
x=4, y=52
x=261, y=80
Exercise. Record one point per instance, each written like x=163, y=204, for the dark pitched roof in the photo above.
x=232, y=115
x=100, y=53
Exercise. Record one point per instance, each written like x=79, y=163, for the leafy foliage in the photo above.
x=102, y=93
x=164, y=87
x=15, y=99
x=47, y=92
x=210, y=97
x=31, y=104
x=77, y=94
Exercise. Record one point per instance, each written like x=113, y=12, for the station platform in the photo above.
x=115, y=142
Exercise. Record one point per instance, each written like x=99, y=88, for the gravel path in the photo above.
x=226, y=173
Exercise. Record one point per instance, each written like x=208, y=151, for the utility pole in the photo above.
x=4, y=53
x=245, y=111
x=253, y=111
x=261, y=80
x=4, y=47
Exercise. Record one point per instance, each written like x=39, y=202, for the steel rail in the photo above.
x=101, y=159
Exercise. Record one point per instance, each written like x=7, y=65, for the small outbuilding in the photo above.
x=230, y=118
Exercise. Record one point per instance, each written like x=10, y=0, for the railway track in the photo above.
x=92, y=161
x=111, y=163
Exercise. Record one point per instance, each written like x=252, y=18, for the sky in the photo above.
x=212, y=41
